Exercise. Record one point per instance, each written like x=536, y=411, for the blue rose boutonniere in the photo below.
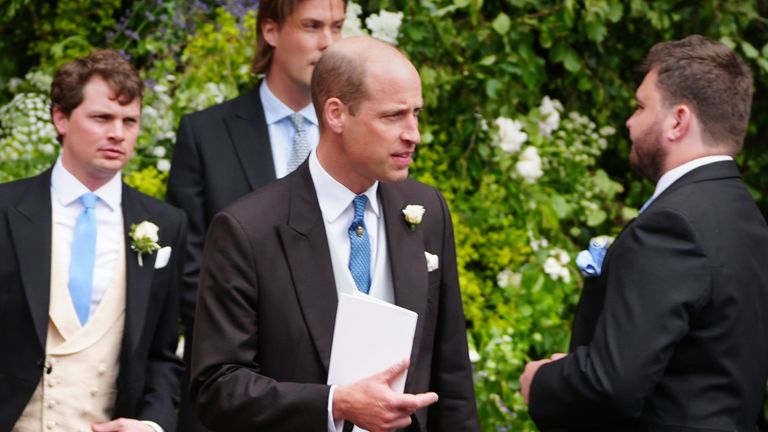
x=590, y=261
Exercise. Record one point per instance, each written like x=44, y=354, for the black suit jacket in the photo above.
x=147, y=383
x=267, y=306
x=221, y=154
x=673, y=335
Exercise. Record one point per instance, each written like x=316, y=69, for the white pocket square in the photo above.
x=433, y=261
x=163, y=256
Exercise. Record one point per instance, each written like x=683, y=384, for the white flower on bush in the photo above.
x=474, y=356
x=507, y=278
x=158, y=151
x=385, y=25
x=550, y=109
x=529, y=165
x=27, y=132
x=555, y=265
x=352, y=24
x=511, y=136
x=163, y=165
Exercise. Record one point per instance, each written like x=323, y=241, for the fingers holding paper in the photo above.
x=372, y=405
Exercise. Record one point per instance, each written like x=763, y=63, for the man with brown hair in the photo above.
x=276, y=262
x=672, y=333
x=89, y=303
x=236, y=147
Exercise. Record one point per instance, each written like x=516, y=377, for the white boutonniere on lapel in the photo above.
x=413, y=214
x=144, y=238
x=590, y=261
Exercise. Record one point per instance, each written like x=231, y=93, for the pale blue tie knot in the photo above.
x=359, y=246
x=83, y=257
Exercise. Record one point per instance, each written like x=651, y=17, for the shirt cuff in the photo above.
x=153, y=425
x=333, y=426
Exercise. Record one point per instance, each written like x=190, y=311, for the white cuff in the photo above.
x=153, y=425
x=333, y=426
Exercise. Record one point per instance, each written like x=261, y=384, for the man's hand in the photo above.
x=530, y=371
x=372, y=405
x=122, y=425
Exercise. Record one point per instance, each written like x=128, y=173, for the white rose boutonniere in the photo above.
x=144, y=238
x=413, y=214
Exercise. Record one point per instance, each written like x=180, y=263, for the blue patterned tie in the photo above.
x=360, y=247
x=83, y=257
x=300, y=148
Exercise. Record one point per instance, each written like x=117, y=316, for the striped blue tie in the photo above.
x=360, y=247
x=83, y=257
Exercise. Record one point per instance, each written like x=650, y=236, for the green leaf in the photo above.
x=749, y=50
x=493, y=88
x=596, y=217
x=502, y=23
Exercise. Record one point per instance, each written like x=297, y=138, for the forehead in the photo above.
x=648, y=88
x=398, y=84
x=331, y=10
x=98, y=94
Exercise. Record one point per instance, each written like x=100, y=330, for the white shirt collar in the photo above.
x=67, y=188
x=674, y=174
x=333, y=196
x=275, y=110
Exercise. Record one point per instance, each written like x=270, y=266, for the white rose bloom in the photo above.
x=147, y=230
x=511, y=136
x=385, y=25
x=163, y=165
x=529, y=165
x=413, y=213
x=158, y=151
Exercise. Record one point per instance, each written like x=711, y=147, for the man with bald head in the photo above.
x=276, y=261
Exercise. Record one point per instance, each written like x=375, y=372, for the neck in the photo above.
x=336, y=167
x=296, y=97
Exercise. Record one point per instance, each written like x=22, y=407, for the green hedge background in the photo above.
x=523, y=127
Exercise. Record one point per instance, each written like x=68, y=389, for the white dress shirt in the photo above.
x=337, y=211
x=282, y=131
x=66, y=207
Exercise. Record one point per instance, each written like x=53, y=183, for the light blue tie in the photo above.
x=360, y=247
x=300, y=148
x=83, y=257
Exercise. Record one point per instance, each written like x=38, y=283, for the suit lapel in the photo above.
x=138, y=278
x=249, y=135
x=406, y=257
x=30, y=224
x=309, y=260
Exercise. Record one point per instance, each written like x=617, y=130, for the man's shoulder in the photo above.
x=248, y=102
x=155, y=206
x=11, y=192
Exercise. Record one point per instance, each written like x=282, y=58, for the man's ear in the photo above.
x=269, y=29
x=680, y=122
x=335, y=114
x=60, y=121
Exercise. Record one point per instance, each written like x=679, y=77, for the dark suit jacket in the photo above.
x=267, y=306
x=147, y=383
x=221, y=154
x=673, y=335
